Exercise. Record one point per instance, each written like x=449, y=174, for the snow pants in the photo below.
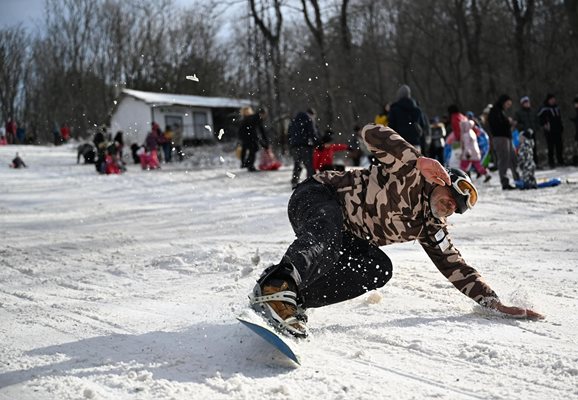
x=302, y=155
x=328, y=263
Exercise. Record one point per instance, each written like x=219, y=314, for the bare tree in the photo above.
x=572, y=11
x=271, y=29
x=317, y=29
x=523, y=13
x=13, y=45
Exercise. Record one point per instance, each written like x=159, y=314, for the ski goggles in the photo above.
x=465, y=194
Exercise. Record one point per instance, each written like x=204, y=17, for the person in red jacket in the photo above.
x=323, y=154
x=64, y=133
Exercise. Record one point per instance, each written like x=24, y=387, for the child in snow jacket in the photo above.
x=471, y=155
x=526, y=161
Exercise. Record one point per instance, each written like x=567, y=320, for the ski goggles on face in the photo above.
x=465, y=194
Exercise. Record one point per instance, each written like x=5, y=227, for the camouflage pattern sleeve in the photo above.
x=389, y=147
x=450, y=263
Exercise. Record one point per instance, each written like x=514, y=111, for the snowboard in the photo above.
x=266, y=332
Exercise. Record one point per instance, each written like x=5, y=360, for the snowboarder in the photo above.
x=341, y=219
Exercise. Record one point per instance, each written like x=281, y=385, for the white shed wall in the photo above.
x=133, y=117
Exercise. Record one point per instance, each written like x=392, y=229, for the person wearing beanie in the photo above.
x=407, y=119
x=551, y=120
x=527, y=119
x=501, y=130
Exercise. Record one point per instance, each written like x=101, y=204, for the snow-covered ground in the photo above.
x=127, y=287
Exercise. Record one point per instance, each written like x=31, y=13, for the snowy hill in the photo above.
x=127, y=287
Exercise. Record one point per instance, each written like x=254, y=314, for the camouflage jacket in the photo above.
x=389, y=203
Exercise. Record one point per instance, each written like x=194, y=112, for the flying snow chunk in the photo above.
x=374, y=298
x=221, y=159
x=221, y=133
x=208, y=127
x=193, y=77
x=231, y=175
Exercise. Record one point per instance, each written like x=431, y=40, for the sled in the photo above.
x=541, y=183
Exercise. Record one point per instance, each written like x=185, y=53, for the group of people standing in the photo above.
x=494, y=139
x=12, y=133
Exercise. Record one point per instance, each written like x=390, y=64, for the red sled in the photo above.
x=111, y=166
x=268, y=161
x=150, y=160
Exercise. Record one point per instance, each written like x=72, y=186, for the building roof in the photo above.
x=165, y=99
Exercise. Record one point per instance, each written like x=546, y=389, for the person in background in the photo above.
x=56, y=134
x=119, y=143
x=501, y=130
x=100, y=143
x=407, y=119
x=64, y=133
x=178, y=140
x=303, y=136
x=575, y=120
x=456, y=118
x=167, y=143
x=526, y=118
x=17, y=162
x=21, y=134
x=11, y=131
x=551, y=120
x=438, y=140
x=252, y=134
x=324, y=152
x=526, y=159
x=471, y=154
x=382, y=117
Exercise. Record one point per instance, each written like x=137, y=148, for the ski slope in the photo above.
x=127, y=287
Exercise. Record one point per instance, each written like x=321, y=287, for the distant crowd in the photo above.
x=496, y=139
x=499, y=138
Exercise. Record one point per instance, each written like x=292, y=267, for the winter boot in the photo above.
x=276, y=301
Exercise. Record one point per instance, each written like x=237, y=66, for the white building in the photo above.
x=136, y=110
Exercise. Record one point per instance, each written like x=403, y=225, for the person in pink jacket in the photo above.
x=471, y=154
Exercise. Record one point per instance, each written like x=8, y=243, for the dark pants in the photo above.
x=249, y=154
x=436, y=151
x=554, y=140
x=302, y=155
x=328, y=264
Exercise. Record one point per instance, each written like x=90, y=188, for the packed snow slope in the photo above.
x=127, y=287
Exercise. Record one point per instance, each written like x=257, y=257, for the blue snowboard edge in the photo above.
x=541, y=184
x=273, y=338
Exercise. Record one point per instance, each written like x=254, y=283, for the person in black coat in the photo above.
x=551, y=121
x=303, y=136
x=407, y=119
x=501, y=130
x=251, y=135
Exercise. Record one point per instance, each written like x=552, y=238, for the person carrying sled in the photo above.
x=342, y=218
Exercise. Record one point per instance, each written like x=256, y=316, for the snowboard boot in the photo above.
x=276, y=301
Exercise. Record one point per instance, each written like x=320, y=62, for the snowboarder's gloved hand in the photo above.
x=433, y=171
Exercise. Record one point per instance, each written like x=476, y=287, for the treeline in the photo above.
x=346, y=58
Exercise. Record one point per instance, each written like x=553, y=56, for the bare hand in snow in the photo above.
x=433, y=171
x=517, y=312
